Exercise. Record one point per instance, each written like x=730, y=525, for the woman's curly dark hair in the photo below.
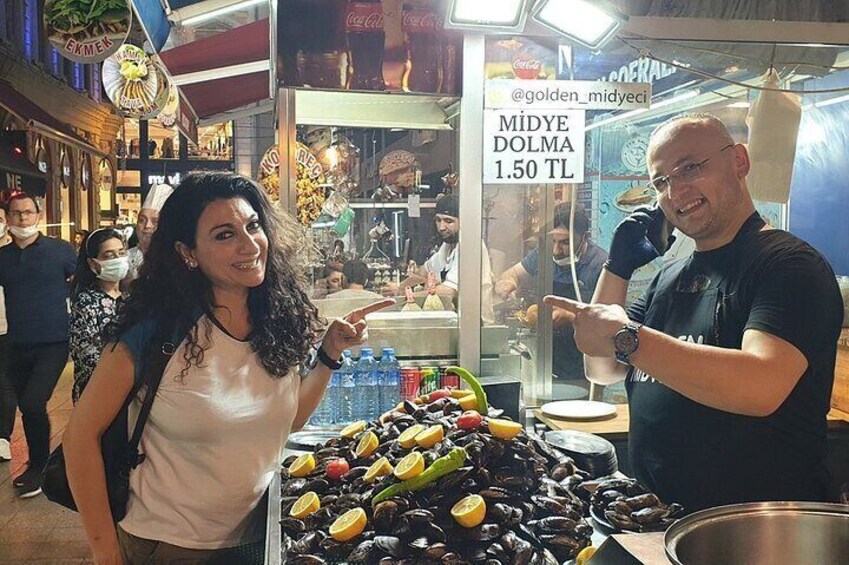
x=284, y=323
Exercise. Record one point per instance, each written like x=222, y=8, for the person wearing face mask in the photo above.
x=8, y=404
x=95, y=298
x=589, y=258
x=34, y=272
x=145, y=227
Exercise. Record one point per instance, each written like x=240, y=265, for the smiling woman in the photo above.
x=224, y=264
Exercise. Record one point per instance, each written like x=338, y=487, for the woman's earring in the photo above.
x=191, y=264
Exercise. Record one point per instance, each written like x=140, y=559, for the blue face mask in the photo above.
x=113, y=270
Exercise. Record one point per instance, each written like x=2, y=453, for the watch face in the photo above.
x=625, y=341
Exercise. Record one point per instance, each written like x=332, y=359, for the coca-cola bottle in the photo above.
x=364, y=25
x=317, y=30
x=422, y=26
x=396, y=64
x=451, y=62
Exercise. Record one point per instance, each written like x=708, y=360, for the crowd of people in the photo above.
x=728, y=362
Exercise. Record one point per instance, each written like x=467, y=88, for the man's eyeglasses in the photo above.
x=688, y=172
x=20, y=214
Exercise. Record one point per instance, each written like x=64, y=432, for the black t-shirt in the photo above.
x=699, y=456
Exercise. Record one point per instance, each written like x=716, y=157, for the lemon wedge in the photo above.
x=302, y=466
x=305, y=505
x=504, y=429
x=430, y=436
x=407, y=439
x=349, y=525
x=367, y=445
x=410, y=466
x=379, y=468
x=469, y=511
x=353, y=429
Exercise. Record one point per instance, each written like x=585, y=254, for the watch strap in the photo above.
x=327, y=361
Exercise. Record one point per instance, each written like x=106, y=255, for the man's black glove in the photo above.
x=630, y=249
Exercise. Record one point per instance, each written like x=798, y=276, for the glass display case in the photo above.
x=526, y=253
x=381, y=205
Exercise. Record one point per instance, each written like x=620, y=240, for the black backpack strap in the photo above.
x=161, y=350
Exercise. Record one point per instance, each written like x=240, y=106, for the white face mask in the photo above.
x=113, y=270
x=23, y=233
x=564, y=262
x=2, y=230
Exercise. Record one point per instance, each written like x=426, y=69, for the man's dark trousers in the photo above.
x=34, y=370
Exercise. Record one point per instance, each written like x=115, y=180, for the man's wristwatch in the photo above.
x=626, y=341
x=324, y=358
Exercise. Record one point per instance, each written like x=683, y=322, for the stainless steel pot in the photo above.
x=762, y=533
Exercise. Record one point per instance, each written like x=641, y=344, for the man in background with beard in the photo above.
x=445, y=262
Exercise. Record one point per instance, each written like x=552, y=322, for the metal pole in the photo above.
x=286, y=146
x=471, y=192
x=545, y=277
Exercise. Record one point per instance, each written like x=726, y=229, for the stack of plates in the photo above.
x=592, y=453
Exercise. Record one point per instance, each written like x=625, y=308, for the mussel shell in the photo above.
x=362, y=553
x=390, y=545
x=306, y=560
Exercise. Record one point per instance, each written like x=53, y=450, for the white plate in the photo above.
x=578, y=409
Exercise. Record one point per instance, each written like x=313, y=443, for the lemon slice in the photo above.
x=459, y=393
x=407, y=439
x=469, y=511
x=302, y=466
x=305, y=505
x=430, y=436
x=367, y=445
x=379, y=468
x=584, y=555
x=351, y=430
x=410, y=466
x=504, y=429
x=349, y=525
x=469, y=402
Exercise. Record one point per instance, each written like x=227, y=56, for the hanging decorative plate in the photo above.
x=87, y=31
x=168, y=116
x=134, y=83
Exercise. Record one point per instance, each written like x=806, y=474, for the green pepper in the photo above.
x=439, y=468
x=480, y=395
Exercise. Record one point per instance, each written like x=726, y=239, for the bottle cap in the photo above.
x=366, y=351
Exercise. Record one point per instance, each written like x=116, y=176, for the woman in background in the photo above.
x=95, y=296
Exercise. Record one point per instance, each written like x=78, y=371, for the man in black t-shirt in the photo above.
x=729, y=355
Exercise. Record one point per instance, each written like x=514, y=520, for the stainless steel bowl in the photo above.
x=762, y=533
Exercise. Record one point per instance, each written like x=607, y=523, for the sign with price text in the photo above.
x=534, y=131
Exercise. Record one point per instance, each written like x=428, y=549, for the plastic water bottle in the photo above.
x=323, y=414
x=345, y=390
x=390, y=380
x=366, y=392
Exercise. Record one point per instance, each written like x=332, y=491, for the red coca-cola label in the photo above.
x=525, y=67
x=420, y=21
x=364, y=17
